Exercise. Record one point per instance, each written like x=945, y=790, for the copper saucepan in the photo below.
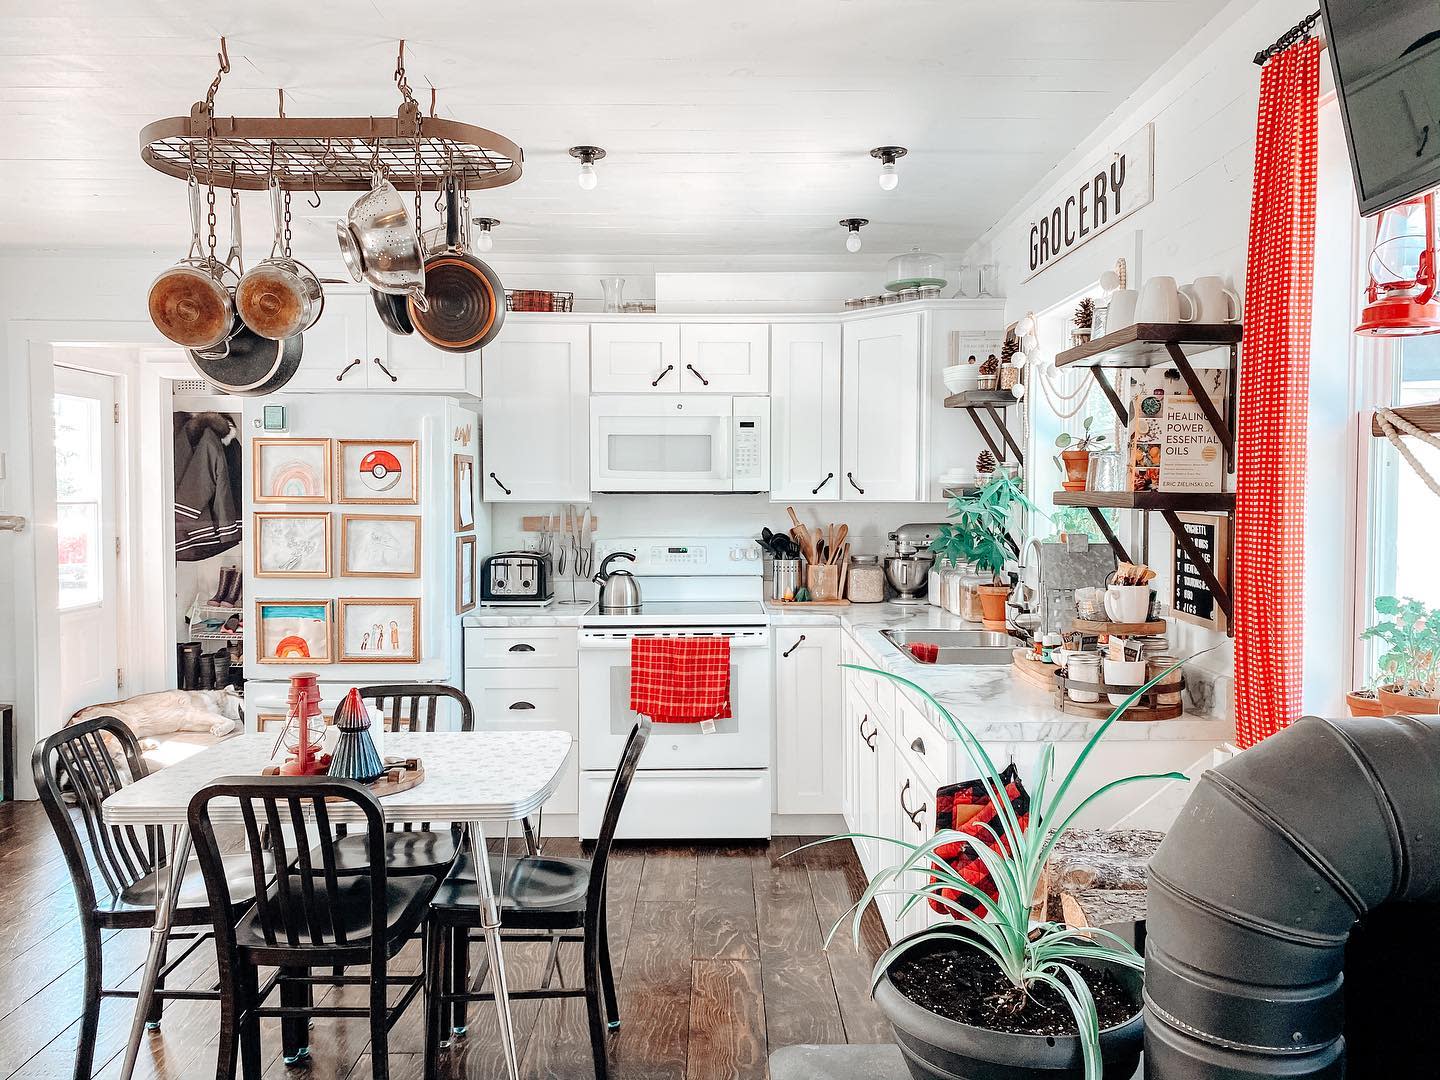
x=466, y=298
x=279, y=297
x=190, y=303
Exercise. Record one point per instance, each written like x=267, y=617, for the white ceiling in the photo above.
x=732, y=128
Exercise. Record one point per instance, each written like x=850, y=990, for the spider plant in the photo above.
x=1029, y=953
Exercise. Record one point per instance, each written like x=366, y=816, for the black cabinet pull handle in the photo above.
x=346, y=369
x=792, y=648
x=851, y=477
x=668, y=368
x=522, y=706
x=816, y=489
x=522, y=647
x=385, y=369
x=691, y=368
x=913, y=815
x=918, y=746
x=869, y=739
x=501, y=483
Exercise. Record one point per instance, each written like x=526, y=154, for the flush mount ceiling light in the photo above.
x=888, y=155
x=587, y=155
x=485, y=241
x=852, y=226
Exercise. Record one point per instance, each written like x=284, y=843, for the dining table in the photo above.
x=470, y=778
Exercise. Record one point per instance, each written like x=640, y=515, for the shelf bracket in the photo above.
x=1202, y=564
x=1113, y=396
x=1109, y=534
x=999, y=420
x=995, y=448
x=1217, y=422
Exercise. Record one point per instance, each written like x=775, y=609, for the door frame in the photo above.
x=143, y=367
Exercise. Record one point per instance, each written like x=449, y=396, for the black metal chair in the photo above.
x=543, y=898
x=130, y=861
x=311, y=916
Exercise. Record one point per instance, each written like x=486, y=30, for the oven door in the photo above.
x=661, y=442
x=740, y=742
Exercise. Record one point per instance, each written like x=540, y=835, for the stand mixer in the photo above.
x=908, y=569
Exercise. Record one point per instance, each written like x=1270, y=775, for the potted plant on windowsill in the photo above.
x=1075, y=453
x=999, y=990
x=979, y=533
x=1410, y=666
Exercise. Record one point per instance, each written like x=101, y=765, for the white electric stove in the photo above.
x=693, y=783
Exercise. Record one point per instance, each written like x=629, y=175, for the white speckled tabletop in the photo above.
x=469, y=776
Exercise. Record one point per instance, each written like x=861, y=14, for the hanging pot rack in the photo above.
x=329, y=153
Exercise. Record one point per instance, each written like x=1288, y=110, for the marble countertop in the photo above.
x=560, y=613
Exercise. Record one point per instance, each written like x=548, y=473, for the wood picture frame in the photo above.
x=1187, y=590
x=379, y=563
x=396, y=621
x=300, y=545
x=463, y=496
x=465, y=573
x=304, y=478
x=366, y=472
x=286, y=631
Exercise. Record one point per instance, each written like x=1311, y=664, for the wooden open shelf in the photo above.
x=1143, y=345
x=990, y=403
x=1177, y=501
x=979, y=399
x=1424, y=417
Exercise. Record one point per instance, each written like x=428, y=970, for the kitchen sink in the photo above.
x=957, y=646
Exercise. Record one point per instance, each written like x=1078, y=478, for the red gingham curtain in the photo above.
x=1273, y=406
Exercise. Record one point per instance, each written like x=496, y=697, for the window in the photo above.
x=77, y=500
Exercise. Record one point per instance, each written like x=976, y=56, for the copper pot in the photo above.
x=190, y=303
x=279, y=297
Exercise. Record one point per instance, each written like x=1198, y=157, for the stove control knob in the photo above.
x=736, y=554
x=752, y=554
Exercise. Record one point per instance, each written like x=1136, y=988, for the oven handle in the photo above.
x=615, y=644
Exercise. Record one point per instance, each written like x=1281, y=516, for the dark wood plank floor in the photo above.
x=718, y=950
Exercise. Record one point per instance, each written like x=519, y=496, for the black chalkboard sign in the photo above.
x=1190, y=598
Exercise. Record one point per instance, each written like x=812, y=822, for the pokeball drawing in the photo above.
x=380, y=470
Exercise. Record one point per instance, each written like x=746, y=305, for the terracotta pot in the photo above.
x=992, y=605
x=1363, y=706
x=1396, y=704
x=1077, y=469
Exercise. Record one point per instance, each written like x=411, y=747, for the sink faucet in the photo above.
x=1023, y=595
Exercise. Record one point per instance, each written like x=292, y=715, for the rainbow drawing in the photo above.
x=295, y=479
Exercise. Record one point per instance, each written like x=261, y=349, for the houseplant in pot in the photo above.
x=979, y=533
x=1075, y=453
x=1410, y=665
x=998, y=992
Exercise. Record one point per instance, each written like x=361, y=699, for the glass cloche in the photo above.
x=914, y=270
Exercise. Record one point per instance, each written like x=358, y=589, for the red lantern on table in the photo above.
x=1400, y=299
x=304, y=733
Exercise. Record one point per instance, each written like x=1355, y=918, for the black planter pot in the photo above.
x=936, y=1048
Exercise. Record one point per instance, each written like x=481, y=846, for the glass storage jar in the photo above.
x=866, y=581
x=970, y=582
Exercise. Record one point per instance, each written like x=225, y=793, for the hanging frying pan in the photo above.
x=466, y=298
x=394, y=312
x=248, y=364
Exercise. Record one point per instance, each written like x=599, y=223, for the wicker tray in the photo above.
x=400, y=775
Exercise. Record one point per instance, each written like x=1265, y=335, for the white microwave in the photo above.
x=679, y=443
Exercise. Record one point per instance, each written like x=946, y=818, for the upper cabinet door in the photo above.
x=880, y=432
x=535, y=438
x=333, y=352
x=725, y=358
x=635, y=358
x=409, y=362
x=805, y=412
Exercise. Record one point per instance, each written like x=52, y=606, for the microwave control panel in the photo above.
x=751, y=444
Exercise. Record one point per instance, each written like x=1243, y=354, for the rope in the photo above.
x=1389, y=421
x=1047, y=373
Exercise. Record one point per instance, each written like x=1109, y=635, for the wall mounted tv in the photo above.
x=1386, y=58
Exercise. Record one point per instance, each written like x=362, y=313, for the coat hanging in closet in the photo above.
x=207, y=485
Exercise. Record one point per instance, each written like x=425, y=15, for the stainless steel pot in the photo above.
x=279, y=297
x=619, y=591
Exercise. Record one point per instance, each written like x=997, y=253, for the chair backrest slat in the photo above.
x=404, y=715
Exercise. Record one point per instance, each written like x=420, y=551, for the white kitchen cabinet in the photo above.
x=414, y=364
x=809, y=770
x=536, y=434
x=805, y=412
x=880, y=428
x=725, y=358
x=531, y=699
x=521, y=646
x=638, y=357
x=865, y=731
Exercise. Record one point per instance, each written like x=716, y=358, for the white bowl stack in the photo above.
x=961, y=377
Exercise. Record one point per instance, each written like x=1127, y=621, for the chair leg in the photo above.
x=379, y=1024
x=607, y=973
x=460, y=968
x=90, y=1017
x=157, y=1003
x=295, y=1031
x=250, y=1063
x=594, y=1009
x=232, y=1008
x=436, y=969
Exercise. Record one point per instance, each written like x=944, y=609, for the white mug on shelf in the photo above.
x=1120, y=312
x=1161, y=301
x=1214, y=303
x=1127, y=603
x=1123, y=673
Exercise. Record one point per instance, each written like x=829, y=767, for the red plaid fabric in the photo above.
x=680, y=680
x=956, y=802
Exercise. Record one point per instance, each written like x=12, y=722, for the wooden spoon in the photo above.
x=840, y=536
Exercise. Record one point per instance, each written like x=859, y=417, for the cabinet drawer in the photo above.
x=531, y=699
x=520, y=646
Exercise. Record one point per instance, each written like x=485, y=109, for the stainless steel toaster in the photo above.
x=516, y=577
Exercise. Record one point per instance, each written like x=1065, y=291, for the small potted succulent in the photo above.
x=979, y=533
x=1001, y=991
x=1075, y=453
x=1410, y=666
x=990, y=372
x=1084, y=320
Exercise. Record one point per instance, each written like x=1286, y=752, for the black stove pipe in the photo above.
x=1253, y=895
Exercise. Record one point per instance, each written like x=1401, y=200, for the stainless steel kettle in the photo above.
x=619, y=591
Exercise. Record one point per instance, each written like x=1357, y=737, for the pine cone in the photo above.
x=1008, y=348
x=985, y=463
x=990, y=365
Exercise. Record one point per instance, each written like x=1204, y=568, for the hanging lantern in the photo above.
x=1400, y=299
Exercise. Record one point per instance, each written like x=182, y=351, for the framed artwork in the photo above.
x=294, y=631
x=464, y=573
x=290, y=470
x=380, y=630
x=377, y=471
x=292, y=545
x=379, y=545
x=464, y=493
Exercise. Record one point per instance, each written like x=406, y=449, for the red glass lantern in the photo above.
x=1400, y=299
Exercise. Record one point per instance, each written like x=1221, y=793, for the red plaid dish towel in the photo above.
x=680, y=680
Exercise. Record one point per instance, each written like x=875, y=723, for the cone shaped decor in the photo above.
x=355, y=756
